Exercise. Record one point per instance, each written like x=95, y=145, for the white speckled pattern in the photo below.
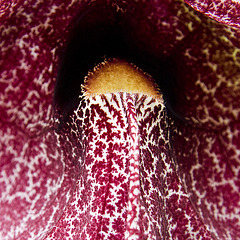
x=192, y=193
x=128, y=188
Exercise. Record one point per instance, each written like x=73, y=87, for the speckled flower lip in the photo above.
x=127, y=181
x=119, y=164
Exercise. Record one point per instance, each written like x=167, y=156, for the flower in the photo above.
x=60, y=179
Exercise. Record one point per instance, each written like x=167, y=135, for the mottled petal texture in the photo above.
x=186, y=158
x=225, y=11
x=128, y=187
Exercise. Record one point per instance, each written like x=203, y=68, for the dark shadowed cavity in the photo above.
x=100, y=33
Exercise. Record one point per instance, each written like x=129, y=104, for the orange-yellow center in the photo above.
x=119, y=76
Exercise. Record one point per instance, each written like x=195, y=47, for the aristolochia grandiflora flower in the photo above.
x=119, y=120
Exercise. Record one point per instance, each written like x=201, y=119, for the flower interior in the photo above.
x=119, y=120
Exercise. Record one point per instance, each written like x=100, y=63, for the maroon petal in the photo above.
x=226, y=11
x=187, y=190
x=37, y=176
x=128, y=187
x=206, y=146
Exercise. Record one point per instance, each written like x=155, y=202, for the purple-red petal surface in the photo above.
x=224, y=11
x=69, y=184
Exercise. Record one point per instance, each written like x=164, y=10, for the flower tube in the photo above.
x=119, y=164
